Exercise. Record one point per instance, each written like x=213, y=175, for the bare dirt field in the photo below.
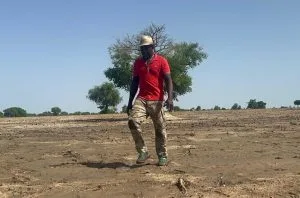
x=246, y=153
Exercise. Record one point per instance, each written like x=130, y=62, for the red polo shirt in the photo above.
x=151, y=77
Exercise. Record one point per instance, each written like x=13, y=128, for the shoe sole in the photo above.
x=166, y=164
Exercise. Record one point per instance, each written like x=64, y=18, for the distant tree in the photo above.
x=110, y=110
x=177, y=108
x=85, y=113
x=15, y=112
x=124, y=109
x=1, y=115
x=261, y=105
x=236, y=106
x=106, y=96
x=297, y=103
x=64, y=113
x=217, y=107
x=45, y=113
x=56, y=111
x=192, y=109
x=253, y=104
x=76, y=113
x=223, y=108
x=31, y=115
x=198, y=108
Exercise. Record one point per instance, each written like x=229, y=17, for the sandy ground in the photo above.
x=246, y=153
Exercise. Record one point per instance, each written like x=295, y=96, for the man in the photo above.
x=149, y=73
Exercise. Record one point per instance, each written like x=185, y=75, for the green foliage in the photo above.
x=297, y=102
x=253, y=104
x=15, y=112
x=31, y=115
x=106, y=96
x=1, y=115
x=217, y=107
x=283, y=107
x=56, y=111
x=261, y=105
x=120, y=74
x=45, y=113
x=76, y=113
x=85, y=113
x=124, y=109
x=198, y=108
x=109, y=110
x=236, y=106
x=182, y=57
x=223, y=108
x=177, y=108
x=64, y=113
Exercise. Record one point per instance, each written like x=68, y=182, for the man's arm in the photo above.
x=169, y=85
x=133, y=89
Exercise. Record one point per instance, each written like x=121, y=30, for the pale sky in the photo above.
x=53, y=52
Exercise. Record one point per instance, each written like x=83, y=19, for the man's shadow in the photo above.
x=112, y=165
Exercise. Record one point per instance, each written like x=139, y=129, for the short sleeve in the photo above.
x=165, y=66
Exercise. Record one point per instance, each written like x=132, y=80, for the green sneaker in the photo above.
x=143, y=156
x=162, y=161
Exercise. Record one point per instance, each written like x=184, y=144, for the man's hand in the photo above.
x=129, y=107
x=133, y=89
x=169, y=105
x=169, y=85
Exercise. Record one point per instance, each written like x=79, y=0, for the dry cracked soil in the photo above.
x=244, y=153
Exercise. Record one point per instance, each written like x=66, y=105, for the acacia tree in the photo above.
x=297, y=103
x=106, y=96
x=253, y=104
x=236, y=106
x=64, y=113
x=56, y=111
x=45, y=113
x=181, y=56
x=15, y=112
x=217, y=107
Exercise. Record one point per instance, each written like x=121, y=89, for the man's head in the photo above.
x=146, y=47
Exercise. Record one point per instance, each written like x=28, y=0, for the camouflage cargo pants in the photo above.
x=140, y=111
